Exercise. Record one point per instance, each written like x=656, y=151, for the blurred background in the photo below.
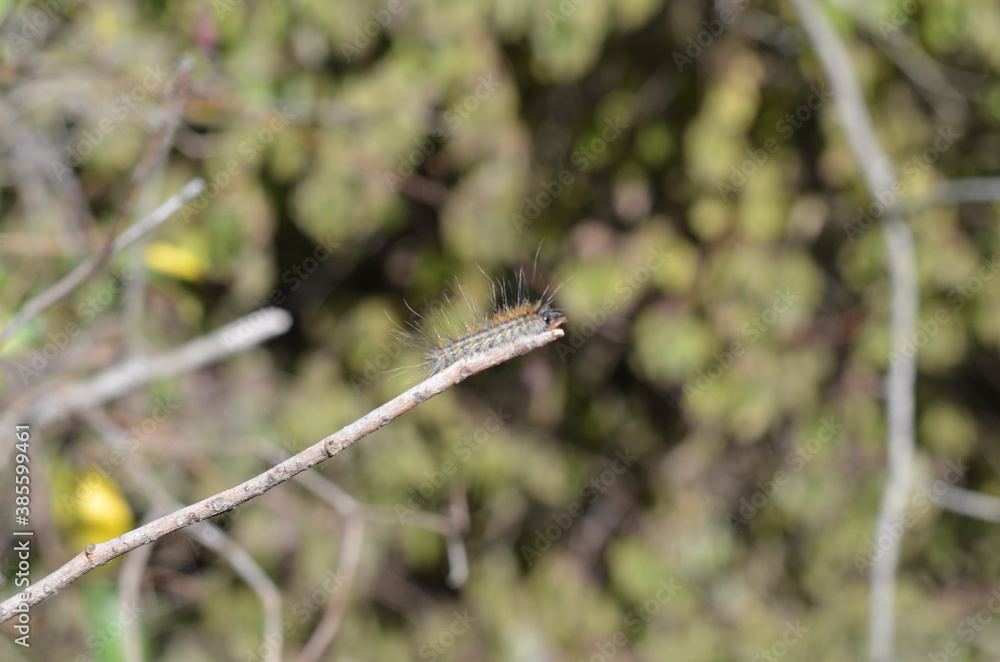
x=692, y=473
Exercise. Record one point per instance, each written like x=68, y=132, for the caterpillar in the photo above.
x=513, y=314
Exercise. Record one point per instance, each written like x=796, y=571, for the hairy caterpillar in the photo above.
x=513, y=314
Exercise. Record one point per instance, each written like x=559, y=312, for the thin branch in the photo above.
x=120, y=379
x=350, y=558
x=880, y=178
x=157, y=149
x=129, y=587
x=155, y=152
x=345, y=504
x=100, y=554
x=458, y=557
x=972, y=504
x=89, y=267
x=9, y=14
x=214, y=538
x=971, y=189
x=933, y=81
x=206, y=534
x=135, y=231
x=355, y=513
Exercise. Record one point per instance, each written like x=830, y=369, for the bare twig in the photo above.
x=355, y=514
x=206, y=534
x=135, y=231
x=9, y=14
x=934, y=81
x=972, y=189
x=972, y=504
x=120, y=379
x=89, y=267
x=350, y=557
x=458, y=558
x=346, y=505
x=880, y=178
x=214, y=538
x=100, y=554
x=155, y=152
x=129, y=588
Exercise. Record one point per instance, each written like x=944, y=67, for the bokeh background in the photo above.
x=692, y=473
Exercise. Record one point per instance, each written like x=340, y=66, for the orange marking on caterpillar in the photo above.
x=502, y=327
x=514, y=315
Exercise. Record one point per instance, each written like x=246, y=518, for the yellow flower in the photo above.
x=175, y=261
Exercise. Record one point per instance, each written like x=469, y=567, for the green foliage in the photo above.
x=713, y=421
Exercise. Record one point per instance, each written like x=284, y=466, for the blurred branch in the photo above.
x=350, y=557
x=9, y=14
x=100, y=554
x=129, y=588
x=39, y=185
x=157, y=149
x=900, y=381
x=88, y=268
x=450, y=527
x=972, y=189
x=155, y=152
x=355, y=514
x=120, y=379
x=206, y=534
x=458, y=557
x=972, y=504
x=345, y=504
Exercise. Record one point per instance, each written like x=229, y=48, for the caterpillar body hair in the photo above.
x=513, y=314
